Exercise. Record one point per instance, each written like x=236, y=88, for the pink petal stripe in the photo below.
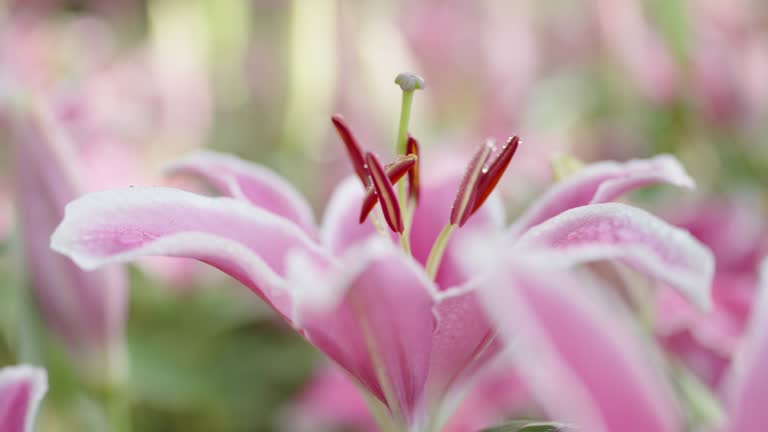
x=372, y=314
x=248, y=181
x=602, y=182
x=746, y=384
x=633, y=236
x=121, y=225
x=21, y=390
x=464, y=339
x=577, y=352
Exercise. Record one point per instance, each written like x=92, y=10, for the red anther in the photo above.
x=386, y=193
x=395, y=171
x=354, y=151
x=491, y=176
x=412, y=148
x=467, y=194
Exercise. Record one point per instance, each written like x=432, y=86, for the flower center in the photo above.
x=397, y=206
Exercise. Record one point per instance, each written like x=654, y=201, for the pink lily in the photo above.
x=21, y=390
x=746, y=382
x=85, y=310
x=407, y=327
x=581, y=355
x=706, y=340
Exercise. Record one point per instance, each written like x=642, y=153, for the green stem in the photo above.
x=118, y=409
x=438, y=250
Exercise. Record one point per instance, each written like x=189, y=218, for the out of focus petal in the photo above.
x=578, y=354
x=746, y=385
x=21, y=390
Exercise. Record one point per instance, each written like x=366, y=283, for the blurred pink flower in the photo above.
x=706, y=340
x=581, y=355
x=21, y=390
x=729, y=52
x=639, y=48
x=122, y=114
x=406, y=339
x=745, y=388
x=85, y=310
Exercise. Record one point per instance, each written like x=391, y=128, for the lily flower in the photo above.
x=86, y=311
x=21, y=390
x=404, y=322
x=736, y=232
x=582, y=359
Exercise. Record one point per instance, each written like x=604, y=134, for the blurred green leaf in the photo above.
x=528, y=426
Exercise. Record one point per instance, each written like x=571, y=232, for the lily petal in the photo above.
x=746, y=384
x=121, y=225
x=341, y=229
x=372, y=314
x=633, y=236
x=85, y=310
x=21, y=390
x=464, y=340
x=577, y=352
x=248, y=181
x=600, y=183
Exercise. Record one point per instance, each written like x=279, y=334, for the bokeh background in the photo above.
x=139, y=83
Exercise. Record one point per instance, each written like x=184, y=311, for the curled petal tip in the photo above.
x=409, y=81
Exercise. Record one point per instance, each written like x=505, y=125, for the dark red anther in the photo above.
x=412, y=148
x=354, y=151
x=386, y=193
x=467, y=194
x=395, y=171
x=491, y=176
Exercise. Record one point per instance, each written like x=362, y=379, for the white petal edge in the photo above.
x=37, y=377
x=80, y=211
x=198, y=160
x=694, y=283
x=664, y=167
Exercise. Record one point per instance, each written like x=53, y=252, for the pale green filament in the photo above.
x=409, y=83
x=438, y=250
x=405, y=242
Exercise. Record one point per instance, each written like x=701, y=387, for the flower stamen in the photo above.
x=395, y=171
x=354, y=151
x=412, y=148
x=386, y=193
x=490, y=177
x=464, y=204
